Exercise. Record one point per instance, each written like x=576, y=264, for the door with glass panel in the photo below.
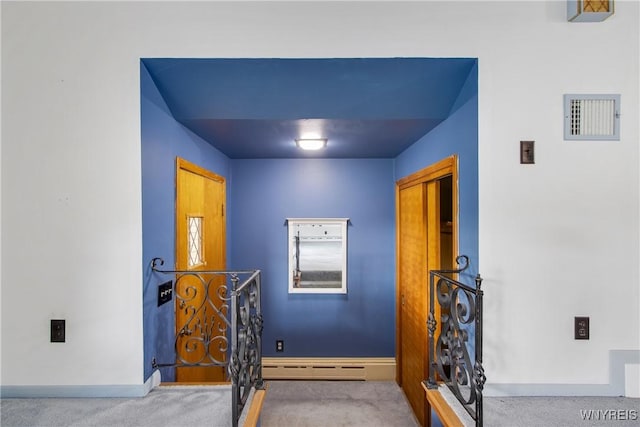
x=199, y=300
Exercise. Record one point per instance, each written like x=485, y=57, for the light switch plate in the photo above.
x=526, y=153
x=165, y=292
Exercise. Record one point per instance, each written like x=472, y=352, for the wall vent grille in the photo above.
x=592, y=117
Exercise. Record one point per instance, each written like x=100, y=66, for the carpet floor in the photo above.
x=336, y=403
x=287, y=404
x=561, y=411
x=307, y=404
x=162, y=407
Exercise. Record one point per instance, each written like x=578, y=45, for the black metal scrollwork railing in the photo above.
x=450, y=352
x=217, y=307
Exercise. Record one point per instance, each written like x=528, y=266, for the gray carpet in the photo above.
x=307, y=404
x=561, y=411
x=163, y=406
x=288, y=404
x=336, y=403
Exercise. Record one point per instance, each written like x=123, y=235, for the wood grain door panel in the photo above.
x=200, y=311
x=412, y=275
x=419, y=249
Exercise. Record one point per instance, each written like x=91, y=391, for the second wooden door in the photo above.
x=425, y=241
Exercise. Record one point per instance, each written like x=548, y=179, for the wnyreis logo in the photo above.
x=609, y=414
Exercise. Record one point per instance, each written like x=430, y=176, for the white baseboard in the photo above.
x=632, y=380
x=153, y=381
x=623, y=364
x=69, y=391
x=66, y=391
x=326, y=368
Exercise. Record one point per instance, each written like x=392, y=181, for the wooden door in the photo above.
x=412, y=277
x=419, y=250
x=200, y=245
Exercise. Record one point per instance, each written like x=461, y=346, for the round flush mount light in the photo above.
x=311, y=143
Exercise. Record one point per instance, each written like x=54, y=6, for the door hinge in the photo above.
x=223, y=209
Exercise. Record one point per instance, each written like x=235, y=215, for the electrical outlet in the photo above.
x=58, y=330
x=581, y=328
x=279, y=345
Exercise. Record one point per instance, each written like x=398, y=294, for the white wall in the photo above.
x=0, y=202
x=557, y=239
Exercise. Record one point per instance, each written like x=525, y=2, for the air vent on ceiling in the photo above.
x=592, y=117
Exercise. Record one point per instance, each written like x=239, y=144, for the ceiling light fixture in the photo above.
x=311, y=144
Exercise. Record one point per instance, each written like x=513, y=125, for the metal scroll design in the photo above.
x=450, y=350
x=219, y=308
x=245, y=368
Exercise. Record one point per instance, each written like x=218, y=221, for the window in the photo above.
x=317, y=255
x=195, y=241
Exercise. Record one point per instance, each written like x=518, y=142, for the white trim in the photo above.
x=313, y=220
x=66, y=391
x=153, y=381
x=618, y=359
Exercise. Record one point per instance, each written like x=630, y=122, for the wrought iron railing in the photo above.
x=218, y=307
x=451, y=350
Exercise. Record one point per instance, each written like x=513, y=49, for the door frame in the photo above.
x=440, y=169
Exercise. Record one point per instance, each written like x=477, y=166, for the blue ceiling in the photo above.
x=256, y=108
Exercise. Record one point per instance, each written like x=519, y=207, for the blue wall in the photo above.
x=458, y=134
x=265, y=192
x=162, y=140
x=262, y=193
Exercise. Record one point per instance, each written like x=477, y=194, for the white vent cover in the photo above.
x=592, y=117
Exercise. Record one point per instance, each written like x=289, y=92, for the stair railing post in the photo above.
x=234, y=363
x=479, y=377
x=431, y=327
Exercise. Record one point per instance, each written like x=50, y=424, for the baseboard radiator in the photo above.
x=308, y=368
